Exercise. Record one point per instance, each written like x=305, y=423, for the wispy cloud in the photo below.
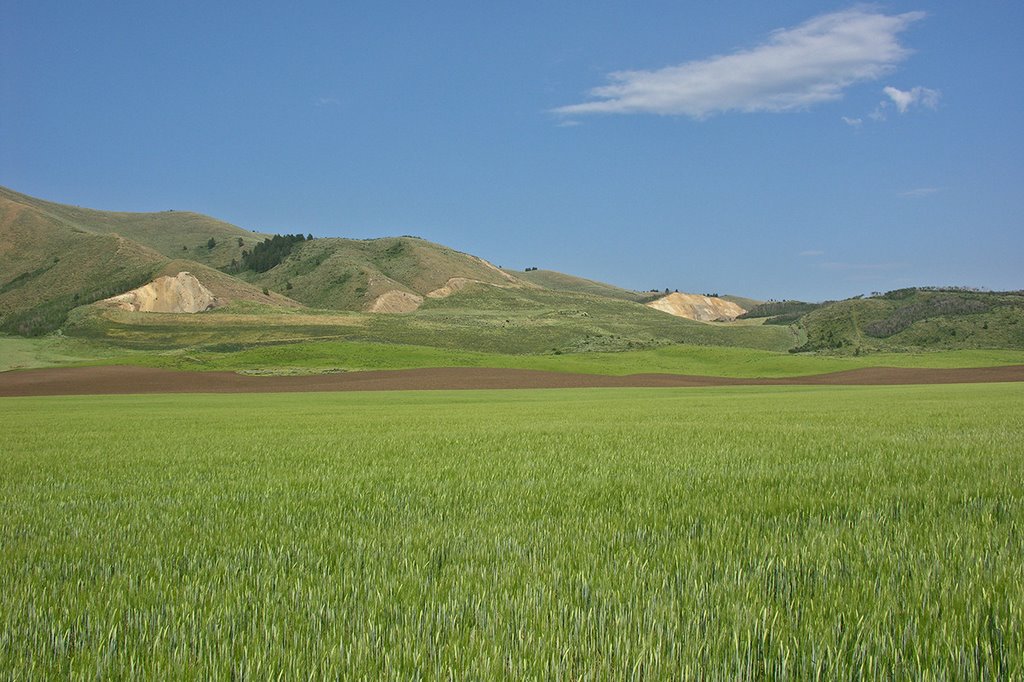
x=811, y=253
x=919, y=192
x=904, y=99
x=327, y=101
x=853, y=122
x=796, y=68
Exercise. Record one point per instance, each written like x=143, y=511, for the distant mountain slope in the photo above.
x=174, y=234
x=912, y=319
x=354, y=274
x=558, y=281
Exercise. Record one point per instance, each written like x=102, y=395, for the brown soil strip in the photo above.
x=128, y=380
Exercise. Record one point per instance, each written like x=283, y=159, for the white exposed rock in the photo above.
x=182, y=293
x=697, y=307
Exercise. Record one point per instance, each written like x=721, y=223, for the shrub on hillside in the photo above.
x=936, y=306
x=270, y=252
x=779, y=308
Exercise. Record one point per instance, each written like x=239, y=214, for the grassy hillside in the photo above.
x=174, y=234
x=349, y=274
x=558, y=281
x=54, y=258
x=478, y=317
x=741, y=301
x=232, y=291
x=909, y=319
x=780, y=312
x=48, y=267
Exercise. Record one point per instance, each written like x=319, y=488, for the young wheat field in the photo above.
x=831, y=533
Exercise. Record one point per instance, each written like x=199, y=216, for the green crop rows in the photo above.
x=605, y=534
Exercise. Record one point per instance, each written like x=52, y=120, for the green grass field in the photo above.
x=313, y=357
x=606, y=534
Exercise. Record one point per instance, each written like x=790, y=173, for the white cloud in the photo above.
x=904, y=99
x=812, y=253
x=796, y=68
x=919, y=192
x=853, y=122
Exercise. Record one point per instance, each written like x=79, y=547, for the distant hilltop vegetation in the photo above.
x=118, y=277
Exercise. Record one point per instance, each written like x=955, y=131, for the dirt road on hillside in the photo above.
x=128, y=380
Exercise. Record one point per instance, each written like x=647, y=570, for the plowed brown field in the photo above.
x=127, y=380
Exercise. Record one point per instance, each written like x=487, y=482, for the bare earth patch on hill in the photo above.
x=451, y=286
x=182, y=293
x=130, y=380
x=697, y=307
x=395, y=301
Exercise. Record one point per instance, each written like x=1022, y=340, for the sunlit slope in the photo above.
x=559, y=281
x=49, y=266
x=478, y=317
x=174, y=234
x=354, y=274
x=561, y=321
x=52, y=262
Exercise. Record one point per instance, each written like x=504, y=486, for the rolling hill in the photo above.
x=55, y=258
x=173, y=234
x=391, y=274
x=915, y=319
x=58, y=263
x=558, y=281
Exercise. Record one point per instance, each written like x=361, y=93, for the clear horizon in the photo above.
x=798, y=150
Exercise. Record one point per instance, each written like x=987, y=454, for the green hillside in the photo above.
x=174, y=234
x=55, y=258
x=350, y=274
x=558, y=281
x=912, y=319
x=478, y=317
x=741, y=301
x=48, y=267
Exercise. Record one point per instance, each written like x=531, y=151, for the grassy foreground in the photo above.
x=612, y=534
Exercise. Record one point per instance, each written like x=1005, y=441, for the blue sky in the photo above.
x=786, y=149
